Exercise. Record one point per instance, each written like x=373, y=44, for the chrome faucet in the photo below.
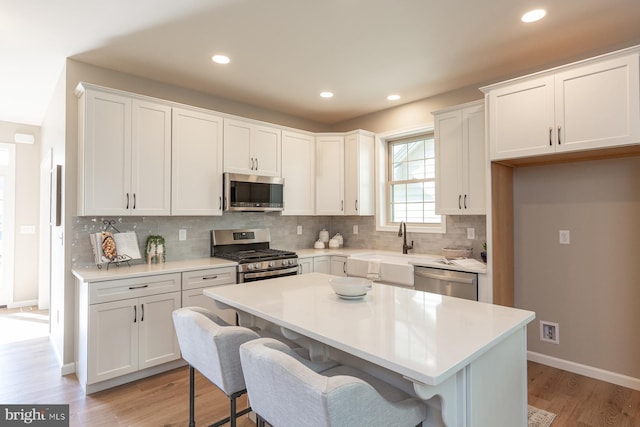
x=403, y=233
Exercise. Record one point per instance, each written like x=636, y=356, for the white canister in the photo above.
x=333, y=244
x=318, y=245
x=339, y=238
x=324, y=236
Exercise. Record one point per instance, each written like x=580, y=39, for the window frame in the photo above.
x=383, y=197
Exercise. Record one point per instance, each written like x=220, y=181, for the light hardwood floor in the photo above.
x=29, y=374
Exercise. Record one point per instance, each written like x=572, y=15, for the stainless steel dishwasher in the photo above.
x=446, y=282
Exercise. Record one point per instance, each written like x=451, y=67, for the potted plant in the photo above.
x=483, y=254
x=156, y=251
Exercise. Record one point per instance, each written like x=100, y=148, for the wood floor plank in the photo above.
x=29, y=373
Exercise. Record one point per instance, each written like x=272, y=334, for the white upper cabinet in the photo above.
x=460, y=160
x=590, y=105
x=359, y=174
x=298, y=171
x=124, y=165
x=196, y=163
x=251, y=149
x=329, y=175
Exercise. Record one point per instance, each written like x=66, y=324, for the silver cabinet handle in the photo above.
x=138, y=287
x=127, y=201
x=341, y=205
x=459, y=201
x=256, y=163
x=134, y=200
x=209, y=277
x=550, y=136
x=142, y=317
x=356, y=206
x=251, y=163
x=220, y=203
x=465, y=201
x=135, y=313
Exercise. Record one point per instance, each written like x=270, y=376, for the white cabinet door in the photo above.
x=150, y=159
x=460, y=160
x=238, y=137
x=125, y=155
x=266, y=151
x=104, y=154
x=196, y=163
x=359, y=174
x=322, y=264
x=298, y=171
x=251, y=149
x=330, y=175
x=305, y=265
x=448, y=141
x=157, y=340
x=521, y=119
x=475, y=164
x=597, y=105
x=339, y=265
x=113, y=340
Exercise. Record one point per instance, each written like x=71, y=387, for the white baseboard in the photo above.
x=68, y=368
x=587, y=371
x=20, y=304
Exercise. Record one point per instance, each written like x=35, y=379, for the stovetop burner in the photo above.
x=253, y=255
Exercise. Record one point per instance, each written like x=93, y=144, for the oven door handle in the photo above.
x=271, y=273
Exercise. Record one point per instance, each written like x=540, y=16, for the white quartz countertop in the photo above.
x=425, y=337
x=427, y=260
x=93, y=274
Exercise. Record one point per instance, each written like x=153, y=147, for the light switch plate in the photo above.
x=182, y=234
x=299, y=230
x=471, y=233
x=355, y=229
x=565, y=237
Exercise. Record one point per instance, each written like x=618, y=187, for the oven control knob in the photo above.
x=272, y=264
x=258, y=265
x=249, y=266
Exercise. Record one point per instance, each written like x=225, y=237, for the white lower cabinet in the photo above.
x=339, y=265
x=125, y=327
x=322, y=264
x=305, y=265
x=194, y=282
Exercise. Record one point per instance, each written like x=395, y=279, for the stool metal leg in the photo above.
x=192, y=403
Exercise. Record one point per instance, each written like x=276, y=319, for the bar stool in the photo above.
x=285, y=392
x=211, y=346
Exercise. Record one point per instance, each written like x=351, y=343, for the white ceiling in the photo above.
x=284, y=52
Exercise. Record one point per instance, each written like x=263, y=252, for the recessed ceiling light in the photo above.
x=534, y=15
x=220, y=59
x=326, y=94
x=393, y=97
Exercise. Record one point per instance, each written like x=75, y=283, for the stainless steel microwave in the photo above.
x=252, y=193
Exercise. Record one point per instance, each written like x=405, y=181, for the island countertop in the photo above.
x=425, y=337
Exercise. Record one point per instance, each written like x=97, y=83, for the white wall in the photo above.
x=590, y=287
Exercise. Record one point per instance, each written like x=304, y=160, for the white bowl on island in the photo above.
x=350, y=287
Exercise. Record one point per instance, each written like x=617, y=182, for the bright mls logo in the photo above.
x=34, y=415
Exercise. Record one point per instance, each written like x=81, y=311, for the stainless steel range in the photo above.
x=250, y=249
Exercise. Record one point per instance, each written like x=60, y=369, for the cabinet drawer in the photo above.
x=114, y=290
x=207, y=278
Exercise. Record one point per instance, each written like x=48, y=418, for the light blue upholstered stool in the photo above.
x=286, y=390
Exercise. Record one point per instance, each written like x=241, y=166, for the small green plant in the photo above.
x=156, y=250
x=484, y=245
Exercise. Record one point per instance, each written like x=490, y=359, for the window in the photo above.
x=408, y=190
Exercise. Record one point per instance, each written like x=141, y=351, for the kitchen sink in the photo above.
x=394, y=268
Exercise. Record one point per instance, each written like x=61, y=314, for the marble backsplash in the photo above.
x=283, y=233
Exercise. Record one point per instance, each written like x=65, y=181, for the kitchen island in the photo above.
x=470, y=354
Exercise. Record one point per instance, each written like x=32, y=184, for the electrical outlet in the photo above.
x=549, y=332
x=565, y=238
x=355, y=229
x=471, y=233
x=299, y=230
x=182, y=234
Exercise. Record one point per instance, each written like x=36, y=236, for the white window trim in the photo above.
x=382, y=175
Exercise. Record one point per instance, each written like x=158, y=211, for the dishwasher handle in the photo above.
x=448, y=278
